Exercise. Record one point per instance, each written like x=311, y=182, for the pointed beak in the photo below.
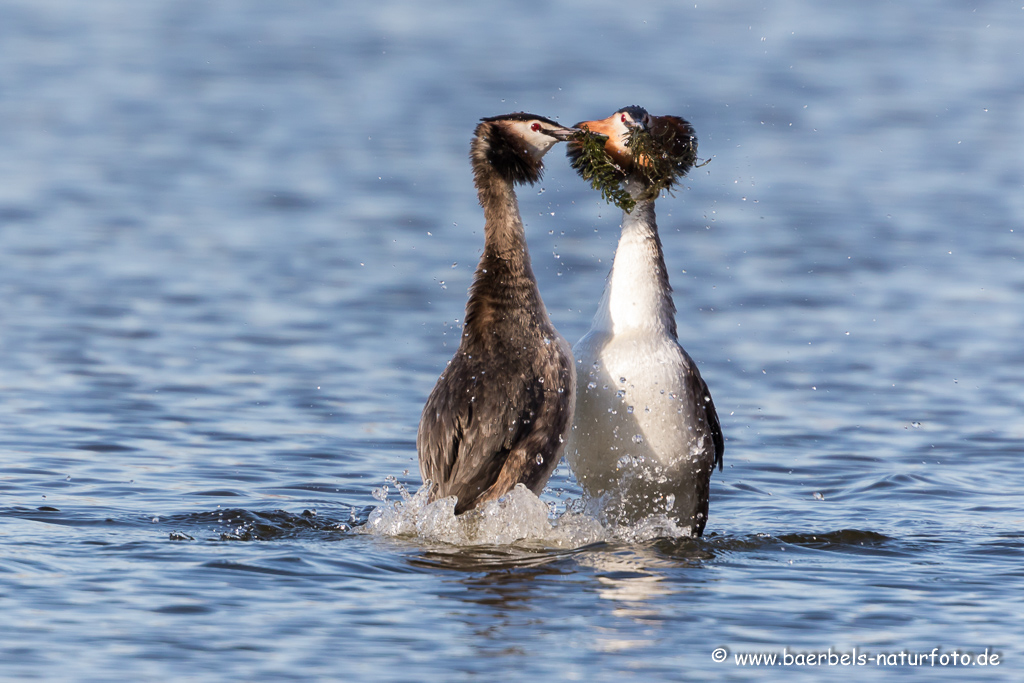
x=561, y=134
x=605, y=127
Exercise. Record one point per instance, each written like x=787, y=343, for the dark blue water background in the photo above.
x=235, y=243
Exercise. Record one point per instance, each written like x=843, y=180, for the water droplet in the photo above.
x=622, y=380
x=819, y=496
x=638, y=438
x=591, y=385
x=540, y=459
x=620, y=393
x=629, y=410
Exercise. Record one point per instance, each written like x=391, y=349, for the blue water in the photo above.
x=235, y=243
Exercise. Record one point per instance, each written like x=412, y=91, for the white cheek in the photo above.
x=539, y=144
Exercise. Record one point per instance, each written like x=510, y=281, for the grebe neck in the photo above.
x=638, y=296
x=504, y=294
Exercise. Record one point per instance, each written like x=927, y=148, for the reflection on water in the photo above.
x=628, y=580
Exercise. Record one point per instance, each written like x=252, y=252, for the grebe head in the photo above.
x=654, y=150
x=514, y=144
x=616, y=129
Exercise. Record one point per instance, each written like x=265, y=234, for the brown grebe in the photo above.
x=500, y=412
x=646, y=433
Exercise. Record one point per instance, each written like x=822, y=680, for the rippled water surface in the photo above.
x=235, y=243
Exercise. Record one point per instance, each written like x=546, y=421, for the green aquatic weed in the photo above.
x=660, y=154
x=593, y=163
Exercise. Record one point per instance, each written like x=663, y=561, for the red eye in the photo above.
x=534, y=126
x=623, y=118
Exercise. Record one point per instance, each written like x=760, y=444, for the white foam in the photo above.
x=516, y=518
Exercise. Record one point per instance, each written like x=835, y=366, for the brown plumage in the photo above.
x=500, y=412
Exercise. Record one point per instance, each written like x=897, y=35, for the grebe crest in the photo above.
x=514, y=145
x=652, y=152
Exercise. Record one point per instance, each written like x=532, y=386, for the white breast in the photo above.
x=640, y=429
x=635, y=398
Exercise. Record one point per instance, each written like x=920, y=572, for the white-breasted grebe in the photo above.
x=646, y=433
x=500, y=412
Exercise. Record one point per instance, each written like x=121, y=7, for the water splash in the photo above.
x=519, y=517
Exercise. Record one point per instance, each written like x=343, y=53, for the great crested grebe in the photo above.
x=500, y=412
x=646, y=432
